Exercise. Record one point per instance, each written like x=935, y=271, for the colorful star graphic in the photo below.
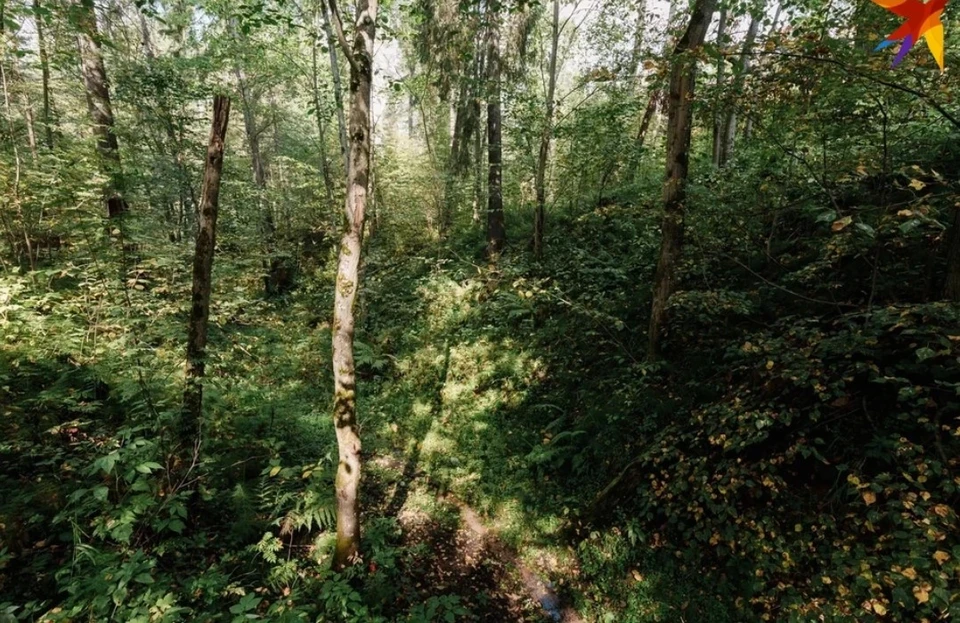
x=922, y=20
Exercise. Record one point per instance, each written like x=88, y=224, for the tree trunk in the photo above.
x=718, y=118
x=748, y=126
x=679, y=123
x=730, y=123
x=98, y=102
x=951, y=289
x=496, y=230
x=44, y=74
x=360, y=55
x=655, y=98
x=636, y=53
x=337, y=86
x=321, y=128
x=202, y=271
x=541, y=178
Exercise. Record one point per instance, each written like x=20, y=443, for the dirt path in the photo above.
x=461, y=555
x=536, y=589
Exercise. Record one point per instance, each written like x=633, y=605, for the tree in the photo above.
x=496, y=229
x=337, y=86
x=192, y=416
x=718, y=119
x=728, y=131
x=98, y=104
x=541, y=188
x=360, y=57
x=38, y=18
x=679, y=125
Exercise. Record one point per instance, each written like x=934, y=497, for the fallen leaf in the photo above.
x=869, y=497
x=841, y=224
x=920, y=594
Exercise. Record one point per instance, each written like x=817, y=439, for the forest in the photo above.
x=479, y=310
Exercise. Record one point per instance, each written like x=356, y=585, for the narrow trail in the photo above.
x=536, y=589
x=465, y=556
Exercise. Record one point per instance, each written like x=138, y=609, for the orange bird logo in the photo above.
x=923, y=20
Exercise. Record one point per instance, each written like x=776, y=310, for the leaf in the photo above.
x=100, y=493
x=910, y=573
x=917, y=184
x=941, y=556
x=841, y=224
x=147, y=467
x=925, y=353
x=869, y=497
x=921, y=594
x=276, y=470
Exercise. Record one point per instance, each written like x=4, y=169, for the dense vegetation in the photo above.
x=584, y=391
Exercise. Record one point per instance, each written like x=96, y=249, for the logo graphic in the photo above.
x=923, y=20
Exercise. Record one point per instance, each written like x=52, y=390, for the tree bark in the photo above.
x=729, y=132
x=337, y=87
x=360, y=56
x=98, y=103
x=718, y=118
x=496, y=229
x=541, y=177
x=192, y=415
x=679, y=123
x=655, y=99
x=321, y=127
x=44, y=75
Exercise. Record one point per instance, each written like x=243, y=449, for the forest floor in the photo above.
x=459, y=552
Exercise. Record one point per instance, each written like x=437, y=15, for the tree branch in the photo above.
x=929, y=101
x=341, y=37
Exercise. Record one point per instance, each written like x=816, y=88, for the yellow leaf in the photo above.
x=910, y=573
x=853, y=480
x=869, y=497
x=275, y=471
x=917, y=185
x=637, y=575
x=769, y=365
x=841, y=224
x=879, y=608
x=905, y=213
x=826, y=579
x=941, y=556
x=920, y=594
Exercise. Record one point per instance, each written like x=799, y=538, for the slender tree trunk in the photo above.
x=748, y=125
x=11, y=132
x=360, y=55
x=496, y=230
x=44, y=75
x=951, y=289
x=679, y=124
x=337, y=86
x=655, y=98
x=730, y=123
x=192, y=415
x=718, y=118
x=639, y=30
x=480, y=145
x=321, y=128
x=100, y=108
x=648, y=115
x=541, y=177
